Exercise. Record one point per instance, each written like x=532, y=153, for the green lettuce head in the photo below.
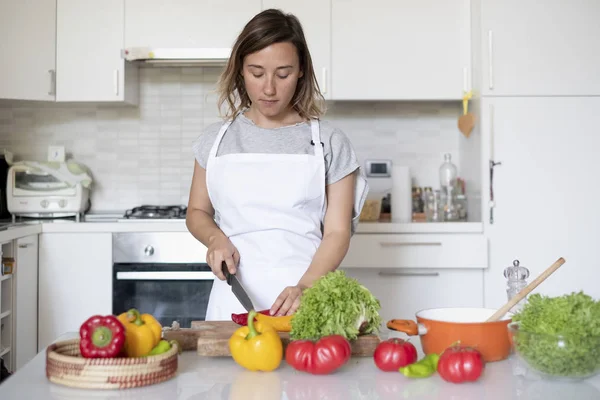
x=336, y=305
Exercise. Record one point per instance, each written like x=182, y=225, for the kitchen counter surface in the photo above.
x=113, y=223
x=220, y=378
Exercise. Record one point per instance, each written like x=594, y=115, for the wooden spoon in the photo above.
x=466, y=122
x=526, y=290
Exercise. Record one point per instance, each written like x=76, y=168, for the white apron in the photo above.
x=271, y=207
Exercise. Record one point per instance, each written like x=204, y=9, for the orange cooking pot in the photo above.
x=439, y=328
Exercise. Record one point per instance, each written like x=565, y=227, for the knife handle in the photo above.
x=226, y=272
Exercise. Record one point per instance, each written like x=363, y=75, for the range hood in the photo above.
x=178, y=57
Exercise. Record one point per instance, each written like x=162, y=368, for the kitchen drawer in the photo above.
x=417, y=251
x=403, y=292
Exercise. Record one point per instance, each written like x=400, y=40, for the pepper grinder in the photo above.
x=516, y=276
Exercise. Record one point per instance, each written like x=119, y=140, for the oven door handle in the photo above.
x=165, y=275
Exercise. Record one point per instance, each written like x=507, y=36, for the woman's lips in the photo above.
x=269, y=102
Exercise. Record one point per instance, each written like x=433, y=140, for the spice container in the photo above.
x=371, y=210
x=516, y=276
x=8, y=265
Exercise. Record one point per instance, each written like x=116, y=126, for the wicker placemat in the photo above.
x=66, y=366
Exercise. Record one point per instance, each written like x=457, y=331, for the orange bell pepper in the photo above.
x=280, y=324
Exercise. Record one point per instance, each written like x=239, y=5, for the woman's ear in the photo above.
x=300, y=74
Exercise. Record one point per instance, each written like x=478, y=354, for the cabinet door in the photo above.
x=89, y=43
x=186, y=23
x=26, y=299
x=546, y=48
x=75, y=281
x=315, y=17
x=544, y=191
x=403, y=292
x=27, y=48
x=400, y=49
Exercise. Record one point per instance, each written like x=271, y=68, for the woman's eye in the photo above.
x=257, y=76
x=282, y=77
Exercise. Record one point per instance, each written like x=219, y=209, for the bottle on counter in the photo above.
x=516, y=276
x=448, y=175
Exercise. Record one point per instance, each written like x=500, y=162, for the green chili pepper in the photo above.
x=422, y=368
x=162, y=347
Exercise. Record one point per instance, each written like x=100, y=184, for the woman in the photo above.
x=275, y=193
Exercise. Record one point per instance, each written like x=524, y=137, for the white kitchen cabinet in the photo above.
x=403, y=292
x=545, y=192
x=89, y=40
x=430, y=251
x=26, y=299
x=27, y=49
x=75, y=281
x=400, y=49
x=545, y=48
x=315, y=17
x=186, y=23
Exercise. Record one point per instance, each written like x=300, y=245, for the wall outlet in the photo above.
x=56, y=153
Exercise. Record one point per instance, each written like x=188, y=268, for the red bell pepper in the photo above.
x=459, y=364
x=242, y=319
x=321, y=357
x=101, y=337
x=392, y=354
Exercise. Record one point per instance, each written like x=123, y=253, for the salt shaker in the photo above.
x=516, y=281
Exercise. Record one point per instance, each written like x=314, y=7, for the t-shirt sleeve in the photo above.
x=341, y=159
x=203, y=143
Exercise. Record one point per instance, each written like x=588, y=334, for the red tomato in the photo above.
x=322, y=357
x=459, y=364
x=394, y=353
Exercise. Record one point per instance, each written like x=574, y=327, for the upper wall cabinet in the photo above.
x=400, y=49
x=27, y=49
x=315, y=17
x=186, y=23
x=89, y=39
x=548, y=48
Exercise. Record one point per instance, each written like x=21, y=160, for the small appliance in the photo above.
x=48, y=189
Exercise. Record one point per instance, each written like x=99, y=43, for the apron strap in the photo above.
x=316, y=137
x=215, y=146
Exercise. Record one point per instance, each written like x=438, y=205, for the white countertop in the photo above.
x=113, y=223
x=221, y=378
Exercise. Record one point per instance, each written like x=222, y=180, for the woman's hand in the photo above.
x=221, y=249
x=288, y=301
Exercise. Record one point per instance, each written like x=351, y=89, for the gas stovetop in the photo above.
x=150, y=212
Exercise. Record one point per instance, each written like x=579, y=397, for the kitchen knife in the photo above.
x=237, y=288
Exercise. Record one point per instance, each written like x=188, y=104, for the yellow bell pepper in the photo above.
x=257, y=346
x=142, y=333
x=280, y=324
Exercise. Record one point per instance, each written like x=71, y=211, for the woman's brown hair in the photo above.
x=266, y=28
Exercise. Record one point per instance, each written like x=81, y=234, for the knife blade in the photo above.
x=237, y=288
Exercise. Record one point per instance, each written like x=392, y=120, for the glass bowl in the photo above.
x=565, y=357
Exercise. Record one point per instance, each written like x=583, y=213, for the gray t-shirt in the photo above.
x=243, y=136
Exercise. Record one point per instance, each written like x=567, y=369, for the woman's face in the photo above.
x=270, y=77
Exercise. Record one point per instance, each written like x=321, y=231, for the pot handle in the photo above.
x=411, y=328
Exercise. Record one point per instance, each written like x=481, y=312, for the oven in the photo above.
x=161, y=273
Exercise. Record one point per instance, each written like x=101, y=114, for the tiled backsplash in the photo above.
x=142, y=155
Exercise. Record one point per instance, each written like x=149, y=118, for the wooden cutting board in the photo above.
x=211, y=339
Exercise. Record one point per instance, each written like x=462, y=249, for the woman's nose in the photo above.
x=269, y=88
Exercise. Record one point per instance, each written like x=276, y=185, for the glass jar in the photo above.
x=433, y=206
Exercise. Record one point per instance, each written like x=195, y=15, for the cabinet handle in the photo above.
x=491, y=58
x=409, y=274
x=398, y=244
x=52, y=90
x=324, y=80
x=493, y=164
x=25, y=245
x=116, y=82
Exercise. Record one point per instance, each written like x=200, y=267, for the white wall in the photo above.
x=143, y=155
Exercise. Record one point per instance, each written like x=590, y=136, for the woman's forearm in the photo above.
x=328, y=257
x=202, y=226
